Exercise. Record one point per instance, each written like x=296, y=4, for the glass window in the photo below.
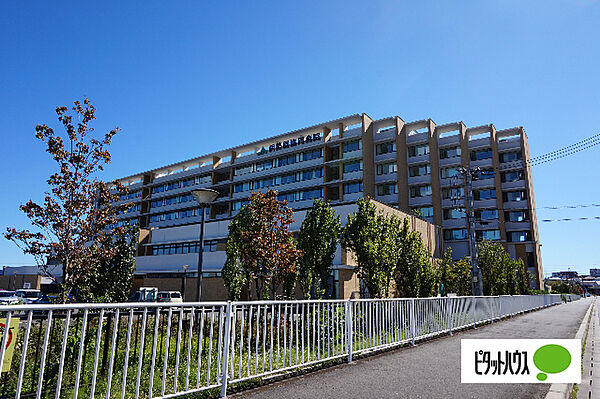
x=449, y=152
x=311, y=194
x=210, y=246
x=353, y=166
x=519, y=236
x=489, y=235
x=453, y=192
x=481, y=154
x=481, y=195
x=354, y=145
x=455, y=234
x=511, y=176
x=425, y=211
x=446, y=173
x=420, y=191
x=486, y=174
x=386, y=168
x=510, y=156
x=419, y=170
x=350, y=188
x=486, y=214
x=314, y=154
x=387, y=189
x=516, y=216
x=514, y=196
x=418, y=150
x=454, y=213
x=385, y=148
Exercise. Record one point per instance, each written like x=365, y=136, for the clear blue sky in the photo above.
x=187, y=78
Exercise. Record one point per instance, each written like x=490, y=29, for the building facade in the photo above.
x=409, y=166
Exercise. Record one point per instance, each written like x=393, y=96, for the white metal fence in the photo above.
x=154, y=350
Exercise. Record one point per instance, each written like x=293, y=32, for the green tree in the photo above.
x=112, y=277
x=414, y=275
x=501, y=274
x=318, y=239
x=77, y=209
x=260, y=248
x=375, y=240
x=454, y=276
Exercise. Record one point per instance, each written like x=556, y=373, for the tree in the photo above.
x=454, y=276
x=375, y=240
x=318, y=239
x=260, y=247
x=112, y=276
x=414, y=274
x=77, y=209
x=501, y=275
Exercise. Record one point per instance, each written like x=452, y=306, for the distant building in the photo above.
x=565, y=275
x=595, y=272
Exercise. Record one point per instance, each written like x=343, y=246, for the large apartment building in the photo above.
x=410, y=166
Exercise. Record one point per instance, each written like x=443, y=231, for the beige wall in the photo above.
x=16, y=282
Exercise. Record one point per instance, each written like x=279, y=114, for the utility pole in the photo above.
x=469, y=175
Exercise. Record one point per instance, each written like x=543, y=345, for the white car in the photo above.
x=9, y=298
x=169, y=296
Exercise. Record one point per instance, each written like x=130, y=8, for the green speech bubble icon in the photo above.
x=551, y=359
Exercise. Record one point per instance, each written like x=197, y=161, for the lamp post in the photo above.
x=204, y=197
x=185, y=267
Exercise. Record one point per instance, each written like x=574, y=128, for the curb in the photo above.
x=563, y=391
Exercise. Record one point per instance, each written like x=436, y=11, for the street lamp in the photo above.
x=185, y=267
x=204, y=197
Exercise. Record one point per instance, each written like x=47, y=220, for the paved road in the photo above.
x=430, y=369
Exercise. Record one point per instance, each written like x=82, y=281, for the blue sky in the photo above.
x=186, y=78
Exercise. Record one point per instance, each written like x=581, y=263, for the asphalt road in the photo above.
x=430, y=369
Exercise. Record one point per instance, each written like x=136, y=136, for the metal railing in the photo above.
x=144, y=350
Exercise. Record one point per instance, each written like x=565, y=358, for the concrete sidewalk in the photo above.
x=430, y=369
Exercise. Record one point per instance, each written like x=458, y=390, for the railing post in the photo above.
x=225, y=364
x=349, y=337
x=412, y=322
x=474, y=313
x=449, y=315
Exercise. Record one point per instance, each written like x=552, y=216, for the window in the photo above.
x=486, y=214
x=418, y=150
x=420, y=170
x=210, y=246
x=387, y=189
x=353, y=166
x=446, y=173
x=515, y=175
x=486, y=174
x=449, y=152
x=481, y=195
x=237, y=205
x=385, y=148
x=385, y=168
x=519, y=236
x=481, y=154
x=265, y=165
x=455, y=234
x=425, y=211
x=514, y=196
x=488, y=235
x=312, y=194
x=314, y=154
x=420, y=191
x=516, y=216
x=453, y=192
x=510, y=156
x=351, y=188
x=453, y=213
x=354, y=145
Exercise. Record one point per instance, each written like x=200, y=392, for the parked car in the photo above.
x=9, y=298
x=144, y=294
x=45, y=299
x=169, y=296
x=28, y=295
